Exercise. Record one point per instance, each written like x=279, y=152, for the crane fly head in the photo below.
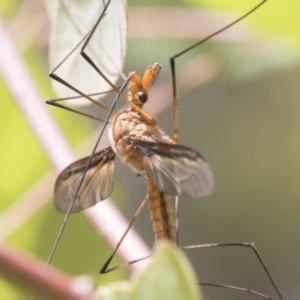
x=139, y=87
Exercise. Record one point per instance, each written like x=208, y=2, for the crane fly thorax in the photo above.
x=129, y=125
x=133, y=123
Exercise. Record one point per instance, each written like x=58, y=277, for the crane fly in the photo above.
x=169, y=168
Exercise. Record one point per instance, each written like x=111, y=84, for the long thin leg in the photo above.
x=55, y=102
x=235, y=288
x=82, y=178
x=90, y=61
x=173, y=58
x=247, y=245
x=215, y=285
x=64, y=82
x=104, y=268
x=175, y=139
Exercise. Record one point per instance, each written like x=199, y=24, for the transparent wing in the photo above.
x=70, y=21
x=97, y=185
x=176, y=169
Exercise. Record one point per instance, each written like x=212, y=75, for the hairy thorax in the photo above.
x=129, y=125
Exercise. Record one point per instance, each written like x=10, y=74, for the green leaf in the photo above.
x=168, y=277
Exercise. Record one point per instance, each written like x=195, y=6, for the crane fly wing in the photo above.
x=70, y=22
x=97, y=185
x=176, y=169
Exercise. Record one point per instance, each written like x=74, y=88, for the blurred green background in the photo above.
x=245, y=121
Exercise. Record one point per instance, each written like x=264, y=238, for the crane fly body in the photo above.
x=170, y=168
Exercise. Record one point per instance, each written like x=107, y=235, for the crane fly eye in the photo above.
x=142, y=96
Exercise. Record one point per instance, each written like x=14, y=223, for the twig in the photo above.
x=24, y=271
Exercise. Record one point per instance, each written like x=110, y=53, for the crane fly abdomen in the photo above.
x=161, y=213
